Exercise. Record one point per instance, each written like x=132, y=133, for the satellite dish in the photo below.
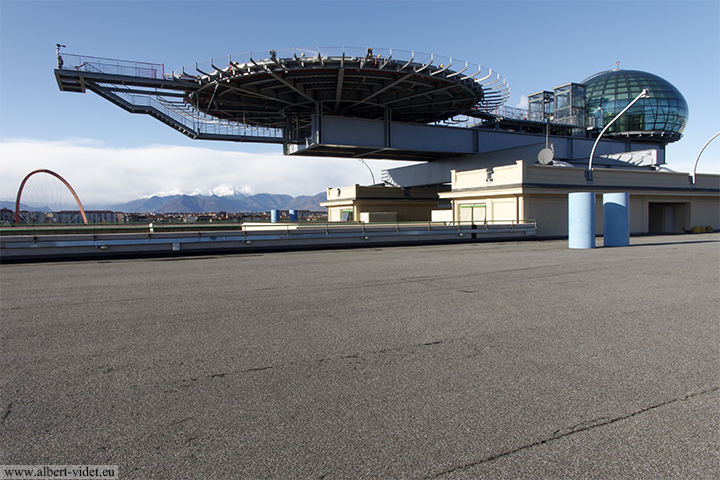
x=546, y=156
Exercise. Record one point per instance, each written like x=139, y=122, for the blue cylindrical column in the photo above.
x=274, y=216
x=616, y=219
x=292, y=215
x=581, y=220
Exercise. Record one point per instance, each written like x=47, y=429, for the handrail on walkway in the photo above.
x=111, y=66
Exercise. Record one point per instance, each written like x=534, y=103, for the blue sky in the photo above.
x=112, y=156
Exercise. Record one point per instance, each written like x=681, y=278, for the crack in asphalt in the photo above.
x=318, y=360
x=577, y=428
x=7, y=412
x=440, y=283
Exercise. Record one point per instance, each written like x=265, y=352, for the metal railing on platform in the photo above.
x=111, y=66
x=497, y=91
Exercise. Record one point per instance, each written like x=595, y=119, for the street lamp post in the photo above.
x=588, y=172
x=368, y=167
x=692, y=179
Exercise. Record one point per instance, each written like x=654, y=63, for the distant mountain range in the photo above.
x=238, y=202
x=10, y=205
x=234, y=201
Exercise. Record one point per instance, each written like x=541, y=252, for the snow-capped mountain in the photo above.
x=220, y=200
x=219, y=191
x=227, y=191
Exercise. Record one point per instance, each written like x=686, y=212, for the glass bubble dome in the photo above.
x=662, y=116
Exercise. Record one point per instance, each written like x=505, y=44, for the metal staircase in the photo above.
x=139, y=87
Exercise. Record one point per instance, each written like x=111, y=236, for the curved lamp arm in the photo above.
x=368, y=167
x=588, y=172
x=692, y=178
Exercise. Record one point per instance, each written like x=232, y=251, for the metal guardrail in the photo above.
x=55, y=245
x=155, y=227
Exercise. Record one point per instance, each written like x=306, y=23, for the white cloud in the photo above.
x=523, y=104
x=106, y=175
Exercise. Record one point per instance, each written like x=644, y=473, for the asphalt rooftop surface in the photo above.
x=490, y=360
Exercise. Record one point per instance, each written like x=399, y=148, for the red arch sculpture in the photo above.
x=49, y=172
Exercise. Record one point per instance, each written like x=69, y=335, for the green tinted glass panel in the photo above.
x=610, y=92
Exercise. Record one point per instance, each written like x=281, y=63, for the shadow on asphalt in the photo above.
x=717, y=240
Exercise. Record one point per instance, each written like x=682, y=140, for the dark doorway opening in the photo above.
x=666, y=217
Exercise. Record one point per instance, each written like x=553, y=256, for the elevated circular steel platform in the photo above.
x=275, y=89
